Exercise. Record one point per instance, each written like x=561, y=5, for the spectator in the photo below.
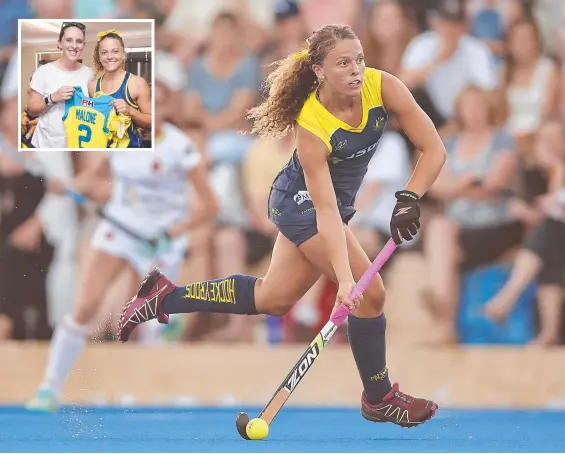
x=290, y=26
x=542, y=253
x=389, y=30
x=222, y=86
x=532, y=82
x=439, y=63
x=289, y=35
x=487, y=22
x=477, y=227
x=550, y=18
x=25, y=252
x=319, y=13
x=420, y=9
x=51, y=9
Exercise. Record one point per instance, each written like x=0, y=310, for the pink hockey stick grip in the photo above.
x=342, y=312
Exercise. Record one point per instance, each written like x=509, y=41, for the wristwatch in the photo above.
x=48, y=101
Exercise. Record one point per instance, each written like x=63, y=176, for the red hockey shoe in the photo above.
x=146, y=304
x=398, y=408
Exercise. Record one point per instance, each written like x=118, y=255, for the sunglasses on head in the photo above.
x=73, y=24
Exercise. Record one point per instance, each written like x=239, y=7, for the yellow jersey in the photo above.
x=93, y=122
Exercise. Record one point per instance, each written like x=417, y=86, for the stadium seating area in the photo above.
x=519, y=47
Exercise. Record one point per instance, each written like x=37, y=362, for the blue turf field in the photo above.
x=294, y=430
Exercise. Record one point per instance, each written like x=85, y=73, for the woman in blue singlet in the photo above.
x=131, y=92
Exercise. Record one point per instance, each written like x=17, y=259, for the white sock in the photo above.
x=69, y=339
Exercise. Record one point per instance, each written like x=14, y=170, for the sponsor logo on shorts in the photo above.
x=308, y=211
x=302, y=196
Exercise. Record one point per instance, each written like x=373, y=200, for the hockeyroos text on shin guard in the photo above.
x=212, y=291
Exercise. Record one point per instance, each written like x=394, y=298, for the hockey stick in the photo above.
x=303, y=365
x=36, y=168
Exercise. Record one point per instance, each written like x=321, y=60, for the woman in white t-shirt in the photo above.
x=52, y=84
x=532, y=84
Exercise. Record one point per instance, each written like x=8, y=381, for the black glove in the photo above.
x=405, y=220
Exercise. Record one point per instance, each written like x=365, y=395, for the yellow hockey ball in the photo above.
x=257, y=429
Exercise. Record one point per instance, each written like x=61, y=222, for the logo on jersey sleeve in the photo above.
x=380, y=124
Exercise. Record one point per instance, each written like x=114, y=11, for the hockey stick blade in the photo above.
x=303, y=365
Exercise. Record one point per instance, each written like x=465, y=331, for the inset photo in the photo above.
x=86, y=84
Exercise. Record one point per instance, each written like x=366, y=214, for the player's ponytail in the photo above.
x=292, y=81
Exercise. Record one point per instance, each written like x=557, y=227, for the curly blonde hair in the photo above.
x=98, y=68
x=290, y=84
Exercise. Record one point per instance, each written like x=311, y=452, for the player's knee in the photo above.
x=267, y=302
x=373, y=300
x=377, y=300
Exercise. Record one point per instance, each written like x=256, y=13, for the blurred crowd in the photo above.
x=489, y=73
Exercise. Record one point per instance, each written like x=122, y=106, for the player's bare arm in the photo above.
x=139, y=91
x=419, y=129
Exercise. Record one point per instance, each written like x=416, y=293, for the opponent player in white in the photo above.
x=150, y=195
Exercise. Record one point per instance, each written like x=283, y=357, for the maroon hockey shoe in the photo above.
x=398, y=408
x=146, y=304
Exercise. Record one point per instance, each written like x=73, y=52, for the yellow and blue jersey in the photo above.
x=350, y=150
x=135, y=140
x=86, y=120
x=93, y=123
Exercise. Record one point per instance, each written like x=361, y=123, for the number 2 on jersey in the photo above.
x=86, y=136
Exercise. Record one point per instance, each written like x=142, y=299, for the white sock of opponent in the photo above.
x=69, y=339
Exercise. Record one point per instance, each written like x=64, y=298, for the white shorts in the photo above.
x=117, y=243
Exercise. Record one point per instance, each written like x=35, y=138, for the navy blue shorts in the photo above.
x=295, y=215
x=298, y=234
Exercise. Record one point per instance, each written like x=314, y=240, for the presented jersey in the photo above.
x=149, y=189
x=351, y=148
x=92, y=122
x=132, y=138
